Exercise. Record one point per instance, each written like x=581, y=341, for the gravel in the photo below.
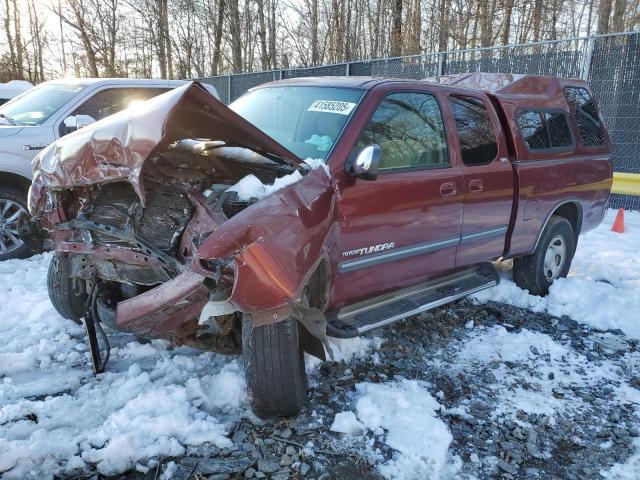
x=588, y=430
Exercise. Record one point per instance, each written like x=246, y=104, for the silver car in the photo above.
x=31, y=121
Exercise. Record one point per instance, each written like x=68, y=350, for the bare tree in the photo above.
x=185, y=38
x=603, y=16
x=396, y=37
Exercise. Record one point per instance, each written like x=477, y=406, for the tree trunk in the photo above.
x=217, y=43
x=443, y=30
x=7, y=29
x=235, y=31
x=264, y=55
x=603, y=16
x=537, y=19
x=506, y=28
x=272, y=33
x=396, y=35
x=18, y=40
x=618, y=16
x=167, y=38
x=314, y=33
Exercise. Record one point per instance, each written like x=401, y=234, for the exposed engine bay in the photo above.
x=113, y=215
x=130, y=246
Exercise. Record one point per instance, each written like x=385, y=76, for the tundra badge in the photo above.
x=367, y=250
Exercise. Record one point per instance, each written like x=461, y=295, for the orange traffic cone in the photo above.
x=618, y=223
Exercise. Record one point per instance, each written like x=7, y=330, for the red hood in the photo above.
x=116, y=148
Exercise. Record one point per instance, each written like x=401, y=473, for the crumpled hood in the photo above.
x=9, y=130
x=116, y=148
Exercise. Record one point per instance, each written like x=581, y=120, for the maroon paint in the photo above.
x=161, y=311
x=277, y=243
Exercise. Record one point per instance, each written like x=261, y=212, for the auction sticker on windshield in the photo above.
x=331, y=106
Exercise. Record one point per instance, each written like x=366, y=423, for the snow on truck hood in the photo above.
x=116, y=148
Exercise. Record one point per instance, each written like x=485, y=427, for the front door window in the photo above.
x=410, y=131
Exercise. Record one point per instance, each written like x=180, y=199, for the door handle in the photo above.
x=476, y=185
x=447, y=189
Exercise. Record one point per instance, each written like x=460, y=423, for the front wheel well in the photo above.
x=12, y=180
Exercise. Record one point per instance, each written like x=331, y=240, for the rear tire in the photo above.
x=550, y=260
x=13, y=203
x=274, y=368
x=68, y=303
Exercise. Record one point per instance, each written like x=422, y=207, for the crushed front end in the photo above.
x=130, y=201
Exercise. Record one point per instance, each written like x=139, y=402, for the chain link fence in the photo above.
x=611, y=63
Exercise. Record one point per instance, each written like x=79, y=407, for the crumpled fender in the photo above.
x=275, y=244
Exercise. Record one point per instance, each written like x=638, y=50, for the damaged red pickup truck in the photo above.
x=200, y=223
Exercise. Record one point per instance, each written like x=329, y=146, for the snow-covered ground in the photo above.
x=603, y=286
x=156, y=402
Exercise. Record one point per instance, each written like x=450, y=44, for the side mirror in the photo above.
x=366, y=163
x=76, y=122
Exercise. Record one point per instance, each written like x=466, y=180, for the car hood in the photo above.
x=116, y=148
x=9, y=130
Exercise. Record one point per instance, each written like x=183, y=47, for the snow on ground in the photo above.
x=552, y=369
x=629, y=470
x=55, y=417
x=153, y=401
x=158, y=401
x=403, y=413
x=603, y=285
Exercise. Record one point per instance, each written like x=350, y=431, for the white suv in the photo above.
x=31, y=121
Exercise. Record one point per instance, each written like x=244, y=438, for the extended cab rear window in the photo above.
x=543, y=130
x=589, y=123
x=478, y=143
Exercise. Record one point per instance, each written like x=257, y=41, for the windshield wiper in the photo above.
x=8, y=119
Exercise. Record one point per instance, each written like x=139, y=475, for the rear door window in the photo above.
x=589, y=124
x=477, y=137
x=409, y=129
x=542, y=130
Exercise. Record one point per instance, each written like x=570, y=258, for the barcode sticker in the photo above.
x=331, y=106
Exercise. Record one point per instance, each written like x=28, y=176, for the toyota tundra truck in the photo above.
x=314, y=208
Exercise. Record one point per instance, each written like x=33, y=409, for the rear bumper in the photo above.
x=163, y=311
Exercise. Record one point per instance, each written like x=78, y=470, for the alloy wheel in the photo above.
x=10, y=215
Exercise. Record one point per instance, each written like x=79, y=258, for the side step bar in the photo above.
x=367, y=315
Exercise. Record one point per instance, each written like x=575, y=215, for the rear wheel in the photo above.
x=69, y=298
x=13, y=210
x=550, y=260
x=274, y=368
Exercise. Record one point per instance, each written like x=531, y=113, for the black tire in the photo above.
x=529, y=272
x=69, y=303
x=274, y=368
x=20, y=198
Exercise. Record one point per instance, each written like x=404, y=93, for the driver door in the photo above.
x=403, y=228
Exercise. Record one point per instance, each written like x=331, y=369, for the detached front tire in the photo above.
x=550, y=260
x=68, y=299
x=274, y=368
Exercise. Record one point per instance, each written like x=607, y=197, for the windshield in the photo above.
x=38, y=104
x=306, y=120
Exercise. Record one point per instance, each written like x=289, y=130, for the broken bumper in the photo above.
x=161, y=312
